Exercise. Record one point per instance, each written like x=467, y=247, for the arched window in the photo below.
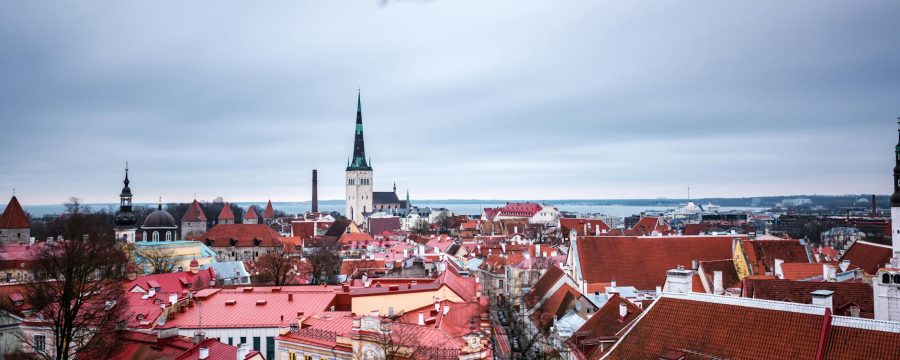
x=145, y=236
x=155, y=236
x=168, y=236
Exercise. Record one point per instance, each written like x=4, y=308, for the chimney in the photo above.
x=717, y=283
x=679, y=280
x=198, y=337
x=204, y=353
x=779, y=272
x=421, y=318
x=826, y=272
x=597, y=230
x=503, y=246
x=537, y=250
x=243, y=351
x=874, y=208
x=290, y=297
x=612, y=288
x=695, y=265
x=823, y=298
x=623, y=310
x=315, y=191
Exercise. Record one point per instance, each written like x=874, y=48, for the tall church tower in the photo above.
x=887, y=283
x=126, y=221
x=359, y=174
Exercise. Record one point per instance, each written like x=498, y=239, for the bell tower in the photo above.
x=125, y=219
x=358, y=180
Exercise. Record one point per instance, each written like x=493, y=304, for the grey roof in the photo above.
x=385, y=197
x=228, y=269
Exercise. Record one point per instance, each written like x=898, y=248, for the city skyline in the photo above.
x=476, y=103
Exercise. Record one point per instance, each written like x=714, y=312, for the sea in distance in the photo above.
x=463, y=207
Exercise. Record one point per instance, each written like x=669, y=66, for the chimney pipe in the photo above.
x=623, y=310
x=204, y=353
x=315, y=191
x=718, y=289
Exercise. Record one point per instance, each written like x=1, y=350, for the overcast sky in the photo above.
x=461, y=99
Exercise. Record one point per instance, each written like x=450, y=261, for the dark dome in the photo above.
x=159, y=218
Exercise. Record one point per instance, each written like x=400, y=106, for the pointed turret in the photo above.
x=250, y=216
x=13, y=216
x=358, y=162
x=269, y=213
x=226, y=216
x=193, y=223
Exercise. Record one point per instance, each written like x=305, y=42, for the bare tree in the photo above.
x=83, y=301
x=527, y=341
x=394, y=339
x=277, y=268
x=324, y=262
x=159, y=260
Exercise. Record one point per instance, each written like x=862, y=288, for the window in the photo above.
x=256, y=343
x=40, y=342
x=307, y=357
x=231, y=341
x=155, y=236
x=292, y=356
x=243, y=339
x=168, y=236
x=270, y=347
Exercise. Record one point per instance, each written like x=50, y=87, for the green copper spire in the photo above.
x=359, y=148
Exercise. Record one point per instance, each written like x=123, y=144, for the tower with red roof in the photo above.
x=250, y=216
x=269, y=213
x=14, y=225
x=226, y=216
x=194, y=221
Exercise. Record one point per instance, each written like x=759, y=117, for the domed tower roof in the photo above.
x=159, y=219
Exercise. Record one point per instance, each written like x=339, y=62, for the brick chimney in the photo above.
x=315, y=191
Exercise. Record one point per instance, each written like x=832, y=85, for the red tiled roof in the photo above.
x=642, y=262
x=868, y=256
x=648, y=224
x=250, y=214
x=846, y=294
x=603, y=325
x=730, y=277
x=226, y=213
x=194, y=213
x=707, y=329
x=555, y=306
x=378, y=226
x=349, y=266
x=136, y=345
x=761, y=254
x=800, y=271
x=13, y=216
x=520, y=209
x=260, y=307
x=244, y=234
x=852, y=343
x=172, y=282
x=695, y=229
x=543, y=285
x=270, y=211
x=582, y=227
x=348, y=238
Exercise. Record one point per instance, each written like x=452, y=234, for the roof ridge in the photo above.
x=748, y=302
x=866, y=324
x=871, y=243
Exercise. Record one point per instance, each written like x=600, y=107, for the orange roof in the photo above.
x=582, y=226
x=226, y=213
x=194, y=213
x=270, y=212
x=800, y=271
x=13, y=216
x=355, y=237
x=603, y=325
x=242, y=235
x=543, y=285
x=250, y=214
x=868, y=256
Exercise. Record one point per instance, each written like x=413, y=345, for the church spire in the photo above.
x=895, y=198
x=125, y=216
x=359, y=148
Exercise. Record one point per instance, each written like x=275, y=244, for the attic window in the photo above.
x=230, y=302
x=140, y=317
x=157, y=301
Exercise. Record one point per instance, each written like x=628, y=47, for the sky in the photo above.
x=461, y=99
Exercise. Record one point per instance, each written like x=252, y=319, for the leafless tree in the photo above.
x=324, y=262
x=159, y=260
x=532, y=344
x=82, y=303
x=277, y=268
x=395, y=340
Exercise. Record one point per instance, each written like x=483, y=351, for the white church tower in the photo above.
x=887, y=283
x=359, y=174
